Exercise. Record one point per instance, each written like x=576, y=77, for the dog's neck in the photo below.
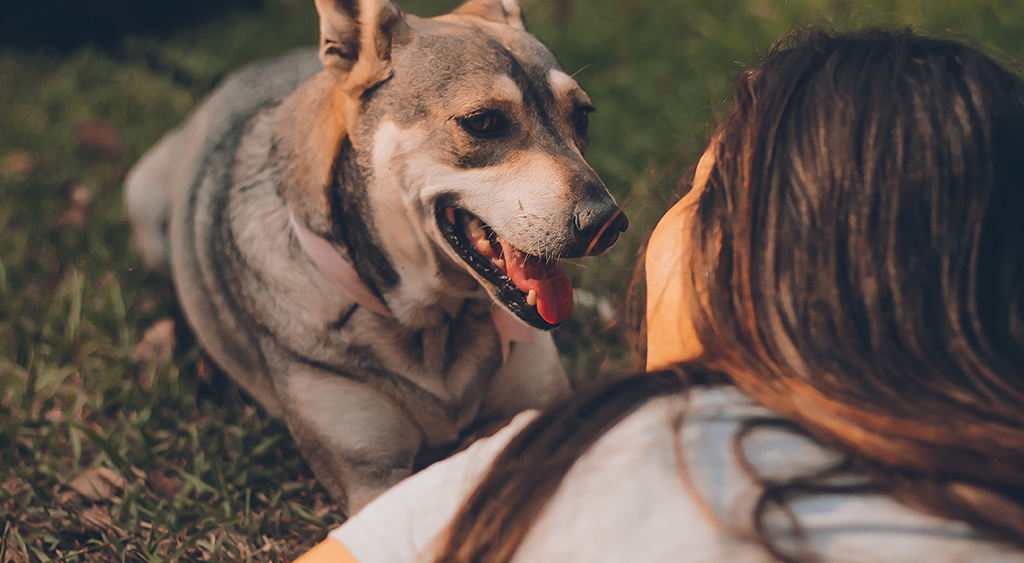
x=308, y=144
x=345, y=277
x=336, y=268
x=320, y=181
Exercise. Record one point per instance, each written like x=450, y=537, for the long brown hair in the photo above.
x=861, y=248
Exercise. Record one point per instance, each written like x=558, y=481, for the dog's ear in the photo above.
x=498, y=11
x=355, y=41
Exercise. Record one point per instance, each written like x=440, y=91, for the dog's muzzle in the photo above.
x=536, y=289
x=598, y=226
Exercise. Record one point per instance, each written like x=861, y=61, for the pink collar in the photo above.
x=345, y=277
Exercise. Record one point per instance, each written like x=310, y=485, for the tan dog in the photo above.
x=351, y=234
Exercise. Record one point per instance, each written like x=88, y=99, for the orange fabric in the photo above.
x=328, y=551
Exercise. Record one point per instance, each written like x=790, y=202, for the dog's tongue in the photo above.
x=548, y=278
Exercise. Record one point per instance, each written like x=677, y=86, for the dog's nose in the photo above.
x=599, y=226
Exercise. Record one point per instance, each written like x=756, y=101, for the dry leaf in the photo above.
x=14, y=553
x=157, y=343
x=163, y=547
x=101, y=137
x=96, y=517
x=97, y=484
x=205, y=368
x=146, y=304
x=17, y=165
x=164, y=487
x=79, y=202
x=13, y=486
x=244, y=553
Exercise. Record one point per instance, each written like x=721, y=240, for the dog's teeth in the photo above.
x=498, y=263
x=476, y=228
x=531, y=298
x=484, y=246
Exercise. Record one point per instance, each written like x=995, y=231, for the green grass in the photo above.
x=207, y=475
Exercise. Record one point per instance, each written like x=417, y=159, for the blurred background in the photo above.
x=118, y=439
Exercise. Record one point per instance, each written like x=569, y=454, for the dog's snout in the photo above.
x=599, y=226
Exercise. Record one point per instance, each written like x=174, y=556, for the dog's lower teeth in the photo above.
x=531, y=298
x=484, y=246
x=498, y=263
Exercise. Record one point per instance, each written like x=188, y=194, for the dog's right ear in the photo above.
x=507, y=12
x=355, y=41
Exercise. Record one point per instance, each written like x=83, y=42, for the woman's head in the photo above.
x=850, y=257
x=856, y=259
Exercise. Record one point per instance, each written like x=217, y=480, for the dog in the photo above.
x=368, y=238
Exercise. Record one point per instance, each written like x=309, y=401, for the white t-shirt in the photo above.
x=626, y=499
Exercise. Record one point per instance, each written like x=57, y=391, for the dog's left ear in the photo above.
x=498, y=11
x=355, y=41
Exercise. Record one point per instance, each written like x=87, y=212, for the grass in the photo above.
x=121, y=443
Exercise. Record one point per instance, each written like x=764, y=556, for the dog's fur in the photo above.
x=368, y=147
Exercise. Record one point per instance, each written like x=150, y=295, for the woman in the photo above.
x=835, y=324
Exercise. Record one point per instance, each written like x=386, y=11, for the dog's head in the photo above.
x=471, y=136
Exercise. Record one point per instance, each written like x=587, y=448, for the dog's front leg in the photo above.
x=531, y=378
x=357, y=440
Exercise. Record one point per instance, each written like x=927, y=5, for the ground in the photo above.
x=118, y=440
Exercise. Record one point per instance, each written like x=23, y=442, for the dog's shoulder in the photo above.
x=244, y=92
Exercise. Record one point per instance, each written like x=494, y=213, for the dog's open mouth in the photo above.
x=538, y=290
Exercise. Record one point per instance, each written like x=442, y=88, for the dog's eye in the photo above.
x=486, y=124
x=581, y=120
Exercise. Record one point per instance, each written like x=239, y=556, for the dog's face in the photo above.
x=474, y=148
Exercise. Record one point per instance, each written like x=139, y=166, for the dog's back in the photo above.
x=165, y=174
x=159, y=193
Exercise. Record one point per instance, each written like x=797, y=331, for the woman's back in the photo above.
x=625, y=500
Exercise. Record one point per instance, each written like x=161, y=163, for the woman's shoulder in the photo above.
x=673, y=482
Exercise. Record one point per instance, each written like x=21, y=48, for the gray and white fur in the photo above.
x=364, y=141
